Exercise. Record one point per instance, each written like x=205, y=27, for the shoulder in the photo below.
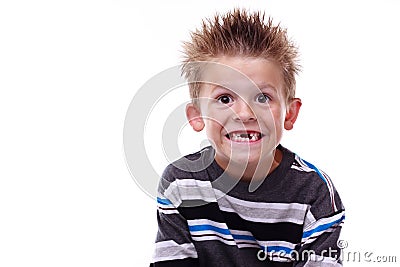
x=190, y=165
x=306, y=170
x=192, y=169
x=319, y=190
x=302, y=172
x=187, y=178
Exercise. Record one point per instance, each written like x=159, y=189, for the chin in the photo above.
x=244, y=156
x=244, y=161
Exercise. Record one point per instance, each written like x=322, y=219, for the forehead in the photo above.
x=238, y=73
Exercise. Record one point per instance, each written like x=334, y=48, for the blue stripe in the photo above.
x=275, y=249
x=322, y=227
x=244, y=237
x=205, y=227
x=316, y=170
x=164, y=201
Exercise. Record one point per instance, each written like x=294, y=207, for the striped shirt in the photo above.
x=292, y=219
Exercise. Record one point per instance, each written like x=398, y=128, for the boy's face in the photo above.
x=243, y=109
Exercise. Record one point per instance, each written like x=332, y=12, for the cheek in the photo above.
x=267, y=116
x=278, y=114
x=272, y=118
x=212, y=128
x=217, y=118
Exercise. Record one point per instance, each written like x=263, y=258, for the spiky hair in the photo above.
x=240, y=33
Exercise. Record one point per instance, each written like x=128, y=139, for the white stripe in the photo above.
x=174, y=211
x=170, y=250
x=189, y=182
x=252, y=243
x=161, y=206
x=301, y=169
x=331, y=189
x=189, y=189
x=247, y=245
x=212, y=238
x=165, y=205
x=277, y=243
x=241, y=232
x=303, y=166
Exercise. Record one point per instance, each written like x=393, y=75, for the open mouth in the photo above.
x=248, y=136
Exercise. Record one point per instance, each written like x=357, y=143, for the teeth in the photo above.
x=244, y=137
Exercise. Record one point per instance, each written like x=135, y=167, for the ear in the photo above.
x=193, y=115
x=292, y=112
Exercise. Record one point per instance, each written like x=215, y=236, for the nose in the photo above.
x=243, y=112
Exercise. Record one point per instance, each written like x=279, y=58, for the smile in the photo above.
x=245, y=137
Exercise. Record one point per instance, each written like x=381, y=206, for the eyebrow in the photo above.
x=260, y=86
x=266, y=85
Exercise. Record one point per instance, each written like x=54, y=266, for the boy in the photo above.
x=246, y=200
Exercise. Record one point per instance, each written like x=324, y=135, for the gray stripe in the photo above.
x=265, y=212
x=169, y=250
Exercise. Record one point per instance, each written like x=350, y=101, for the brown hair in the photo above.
x=240, y=33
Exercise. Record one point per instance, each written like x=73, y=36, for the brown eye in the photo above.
x=263, y=98
x=225, y=99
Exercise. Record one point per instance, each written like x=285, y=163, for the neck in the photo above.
x=258, y=170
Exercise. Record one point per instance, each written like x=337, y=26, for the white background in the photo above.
x=69, y=69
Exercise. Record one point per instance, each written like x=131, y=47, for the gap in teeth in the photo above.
x=244, y=137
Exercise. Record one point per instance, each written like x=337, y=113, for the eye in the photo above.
x=263, y=98
x=225, y=99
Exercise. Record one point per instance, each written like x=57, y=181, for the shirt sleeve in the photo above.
x=321, y=231
x=174, y=246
